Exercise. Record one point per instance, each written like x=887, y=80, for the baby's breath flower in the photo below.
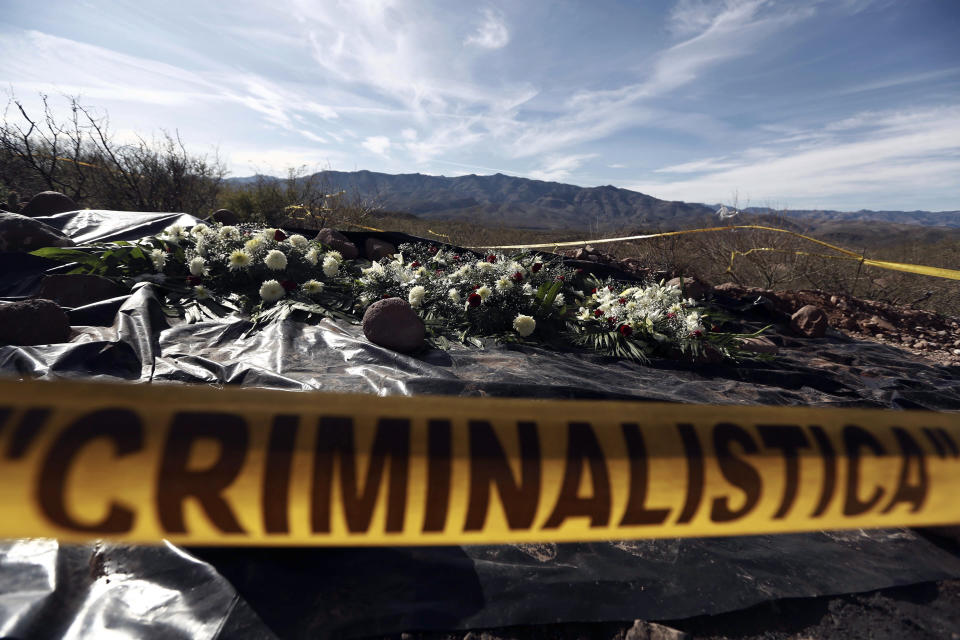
x=239, y=259
x=524, y=325
x=312, y=287
x=198, y=266
x=272, y=290
x=275, y=260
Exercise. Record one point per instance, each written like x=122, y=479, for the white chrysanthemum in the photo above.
x=312, y=256
x=229, y=232
x=527, y=289
x=504, y=284
x=159, y=259
x=298, y=241
x=454, y=295
x=330, y=266
x=485, y=267
x=272, y=290
x=198, y=266
x=175, y=233
x=559, y=300
x=415, y=297
x=631, y=305
x=252, y=244
x=483, y=292
x=200, y=229
x=524, y=325
x=692, y=322
x=336, y=255
x=239, y=259
x=421, y=272
x=200, y=292
x=202, y=247
x=268, y=234
x=275, y=260
x=312, y=287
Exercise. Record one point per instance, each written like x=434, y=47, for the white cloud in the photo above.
x=409, y=134
x=377, y=144
x=560, y=167
x=492, y=32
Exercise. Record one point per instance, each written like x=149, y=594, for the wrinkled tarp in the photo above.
x=354, y=592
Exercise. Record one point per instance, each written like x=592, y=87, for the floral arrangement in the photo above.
x=467, y=297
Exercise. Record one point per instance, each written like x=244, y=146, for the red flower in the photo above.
x=622, y=300
x=594, y=290
x=279, y=236
x=288, y=285
x=609, y=288
x=194, y=280
x=671, y=315
x=456, y=258
x=598, y=313
x=439, y=272
x=517, y=276
x=433, y=249
x=560, y=278
x=612, y=320
x=536, y=267
x=579, y=270
x=698, y=334
x=475, y=287
x=625, y=330
x=491, y=258
x=414, y=264
x=474, y=299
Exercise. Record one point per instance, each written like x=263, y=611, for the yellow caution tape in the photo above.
x=939, y=272
x=198, y=465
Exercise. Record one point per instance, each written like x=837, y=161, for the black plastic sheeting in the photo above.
x=48, y=590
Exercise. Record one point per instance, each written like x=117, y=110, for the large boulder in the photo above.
x=225, y=217
x=339, y=242
x=77, y=289
x=692, y=287
x=810, y=321
x=34, y=321
x=22, y=233
x=48, y=203
x=375, y=249
x=392, y=323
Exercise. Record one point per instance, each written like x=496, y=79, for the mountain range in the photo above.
x=501, y=200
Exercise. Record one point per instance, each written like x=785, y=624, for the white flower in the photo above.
x=483, y=292
x=202, y=246
x=159, y=259
x=298, y=241
x=485, y=267
x=252, y=244
x=527, y=289
x=200, y=292
x=692, y=322
x=415, y=297
x=583, y=314
x=175, y=233
x=198, y=266
x=312, y=256
x=200, y=229
x=504, y=284
x=272, y=290
x=268, y=234
x=524, y=325
x=312, y=287
x=559, y=300
x=239, y=259
x=330, y=266
x=336, y=255
x=454, y=295
x=275, y=260
x=229, y=232
x=375, y=269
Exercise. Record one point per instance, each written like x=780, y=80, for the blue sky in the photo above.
x=841, y=104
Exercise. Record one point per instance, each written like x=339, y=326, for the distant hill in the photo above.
x=500, y=200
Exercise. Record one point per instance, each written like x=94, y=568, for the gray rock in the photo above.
x=375, y=249
x=76, y=289
x=643, y=630
x=692, y=287
x=34, y=321
x=339, y=242
x=759, y=345
x=21, y=233
x=392, y=323
x=225, y=216
x=810, y=321
x=48, y=203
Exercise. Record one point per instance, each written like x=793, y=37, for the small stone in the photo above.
x=759, y=345
x=882, y=323
x=834, y=299
x=77, y=289
x=338, y=242
x=727, y=286
x=942, y=333
x=956, y=343
x=692, y=287
x=22, y=233
x=34, y=321
x=956, y=352
x=848, y=323
x=48, y=203
x=879, y=336
x=920, y=344
x=376, y=249
x=810, y=321
x=225, y=217
x=392, y=323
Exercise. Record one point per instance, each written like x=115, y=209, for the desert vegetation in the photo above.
x=80, y=157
